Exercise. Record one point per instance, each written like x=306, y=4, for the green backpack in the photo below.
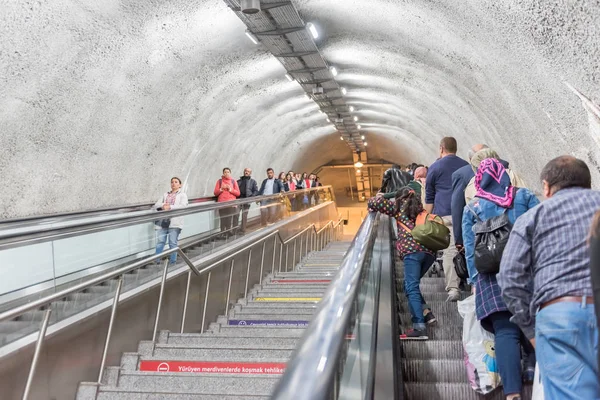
x=431, y=232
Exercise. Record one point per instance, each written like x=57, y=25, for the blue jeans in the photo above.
x=173, y=234
x=507, y=342
x=415, y=266
x=566, y=338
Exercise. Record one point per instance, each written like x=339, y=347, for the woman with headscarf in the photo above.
x=494, y=196
x=476, y=160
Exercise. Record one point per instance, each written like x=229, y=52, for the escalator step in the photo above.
x=432, y=349
x=452, y=391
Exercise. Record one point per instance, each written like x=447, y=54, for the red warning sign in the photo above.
x=214, y=367
x=301, y=281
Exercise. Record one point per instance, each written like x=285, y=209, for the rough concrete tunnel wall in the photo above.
x=102, y=102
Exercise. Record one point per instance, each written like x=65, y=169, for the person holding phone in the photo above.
x=227, y=189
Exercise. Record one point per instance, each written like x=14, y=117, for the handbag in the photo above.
x=430, y=231
x=491, y=237
x=165, y=223
x=460, y=265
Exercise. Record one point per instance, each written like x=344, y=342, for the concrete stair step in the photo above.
x=256, y=331
x=290, y=316
x=276, y=305
x=235, y=384
x=290, y=290
x=306, y=311
x=180, y=353
x=227, y=342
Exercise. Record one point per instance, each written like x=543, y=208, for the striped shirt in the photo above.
x=547, y=255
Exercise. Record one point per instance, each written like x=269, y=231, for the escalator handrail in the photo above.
x=39, y=234
x=311, y=372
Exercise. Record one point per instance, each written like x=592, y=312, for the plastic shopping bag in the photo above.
x=538, y=388
x=478, y=345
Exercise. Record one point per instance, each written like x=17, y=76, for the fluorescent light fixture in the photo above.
x=344, y=91
x=355, y=119
x=313, y=30
x=318, y=90
x=359, y=127
x=341, y=137
x=363, y=137
x=328, y=120
x=333, y=70
x=289, y=77
x=358, y=171
x=252, y=37
x=365, y=143
x=321, y=111
x=351, y=108
x=358, y=164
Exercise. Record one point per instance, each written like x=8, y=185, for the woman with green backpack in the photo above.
x=408, y=211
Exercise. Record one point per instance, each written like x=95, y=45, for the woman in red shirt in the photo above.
x=226, y=189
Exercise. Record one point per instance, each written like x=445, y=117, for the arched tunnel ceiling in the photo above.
x=102, y=102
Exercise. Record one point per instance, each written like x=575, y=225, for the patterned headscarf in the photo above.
x=493, y=183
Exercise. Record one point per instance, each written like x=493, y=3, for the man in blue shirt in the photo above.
x=269, y=208
x=438, y=197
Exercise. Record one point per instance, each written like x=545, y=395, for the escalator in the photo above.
x=435, y=368
x=241, y=356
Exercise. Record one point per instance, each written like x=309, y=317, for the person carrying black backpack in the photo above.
x=486, y=224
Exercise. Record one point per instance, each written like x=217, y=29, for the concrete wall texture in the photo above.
x=101, y=102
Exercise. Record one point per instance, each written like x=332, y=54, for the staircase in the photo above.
x=434, y=369
x=240, y=357
x=30, y=322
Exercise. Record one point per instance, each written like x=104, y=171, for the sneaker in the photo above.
x=414, y=334
x=453, y=295
x=430, y=318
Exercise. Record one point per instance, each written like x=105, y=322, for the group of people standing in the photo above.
x=540, y=295
x=234, y=219
x=247, y=187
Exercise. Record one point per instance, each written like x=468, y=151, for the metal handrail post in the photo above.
x=262, y=262
x=36, y=354
x=287, y=258
x=229, y=286
x=280, y=256
x=248, y=273
x=294, y=255
x=186, y=299
x=113, y=313
x=301, y=239
x=160, y=299
x=205, y=301
x=274, y=254
x=307, y=238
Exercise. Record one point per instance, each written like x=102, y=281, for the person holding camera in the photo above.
x=170, y=227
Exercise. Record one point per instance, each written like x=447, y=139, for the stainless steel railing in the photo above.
x=317, y=239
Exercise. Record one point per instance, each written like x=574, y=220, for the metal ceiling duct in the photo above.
x=250, y=6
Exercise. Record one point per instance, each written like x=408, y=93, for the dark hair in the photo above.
x=270, y=169
x=228, y=169
x=565, y=172
x=408, y=203
x=279, y=176
x=176, y=178
x=395, y=166
x=449, y=144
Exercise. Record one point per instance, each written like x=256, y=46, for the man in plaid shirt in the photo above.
x=545, y=281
